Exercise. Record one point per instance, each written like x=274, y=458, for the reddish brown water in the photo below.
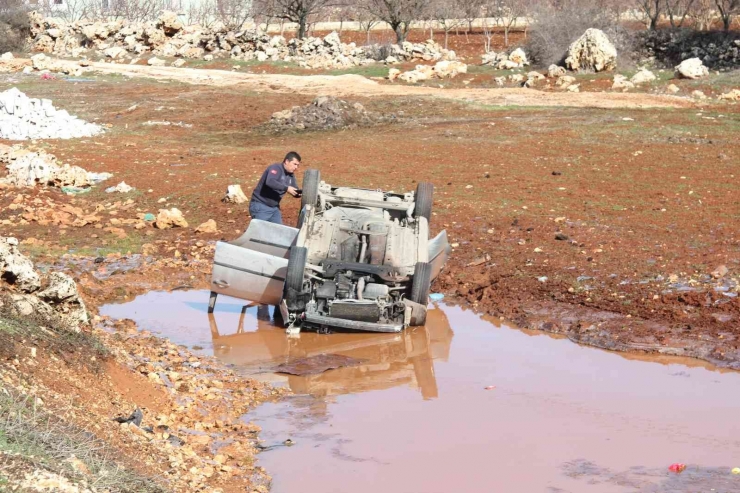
x=415, y=415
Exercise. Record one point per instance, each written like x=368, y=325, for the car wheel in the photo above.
x=311, y=180
x=295, y=273
x=421, y=283
x=423, y=199
x=301, y=218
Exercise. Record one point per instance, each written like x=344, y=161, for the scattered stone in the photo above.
x=179, y=62
x=643, y=76
x=733, y=95
x=693, y=68
x=592, y=52
x=235, y=195
x=502, y=61
x=24, y=118
x=698, y=95
x=323, y=113
x=672, y=88
x=207, y=227
x=444, y=69
x=720, y=271
x=59, y=298
x=621, y=83
x=120, y=188
x=27, y=169
x=156, y=62
x=170, y=218
x=555, y=71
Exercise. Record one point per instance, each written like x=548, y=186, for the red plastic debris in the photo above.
x=677, y=467
x=490, y=387
x=47, y=76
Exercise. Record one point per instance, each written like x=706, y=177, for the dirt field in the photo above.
x=601, y=224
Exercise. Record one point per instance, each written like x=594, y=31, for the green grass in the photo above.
x=374, y=70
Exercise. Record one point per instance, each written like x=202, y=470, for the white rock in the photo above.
x=170, y=218
x=643, y=76
x=7, y=56
x=592, y=52
x=672, y=88
x=24, y=118
x=554, y=71
x=698, y=95
x=235, y=195
x=621, y=83
x=156, y=62
x=16, y=268
x=693, y=68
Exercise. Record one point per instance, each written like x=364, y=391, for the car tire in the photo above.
x=422, y=283
x=301, y=218
x=296, y=268
x=311, y=180
x=423, y=198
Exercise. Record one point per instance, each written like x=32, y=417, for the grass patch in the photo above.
x=49, y=332
x=45, y=440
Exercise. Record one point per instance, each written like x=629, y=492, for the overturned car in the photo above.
x=358, y=260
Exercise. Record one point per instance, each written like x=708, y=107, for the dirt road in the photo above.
x=355, y=85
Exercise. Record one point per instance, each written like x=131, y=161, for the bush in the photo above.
x=555, y=28
x=15, y=26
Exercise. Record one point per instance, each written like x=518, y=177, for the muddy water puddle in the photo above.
x=466, y=405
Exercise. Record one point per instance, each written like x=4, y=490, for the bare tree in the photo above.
x=506, y=13
x=470, y=10
x=398, y=14
x=488, y=30
x=233, y=13
x=703, y=14
x=727, y=9
x=298, y=11
x=678, y=11
x=652, y=10
x=448, y=16
x=366, y=21
x=202, y=13
x=132, y=10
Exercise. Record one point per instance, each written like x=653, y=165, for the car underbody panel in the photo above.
x=360, y=260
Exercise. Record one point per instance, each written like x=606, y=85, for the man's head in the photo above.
x=292, y=161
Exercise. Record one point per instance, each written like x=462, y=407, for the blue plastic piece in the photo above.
x=436, y=296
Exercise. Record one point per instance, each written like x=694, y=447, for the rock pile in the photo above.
x=168, y=37
x=24, y=118
x=592, y=52
x=26, y=169
x=323, y=113
x=441, y=70
x=669, y=47
x=502, y=61
x=53, y=296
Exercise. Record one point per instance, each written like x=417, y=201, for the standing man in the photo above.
x=277, y=179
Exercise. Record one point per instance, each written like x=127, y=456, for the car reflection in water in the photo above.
x=387, y=360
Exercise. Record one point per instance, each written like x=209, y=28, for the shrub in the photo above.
x=15, y=26
x=556, y=27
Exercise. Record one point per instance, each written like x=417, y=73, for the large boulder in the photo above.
x=592, y=52
x=693, y=68
x=15, y=268
x=170, y=23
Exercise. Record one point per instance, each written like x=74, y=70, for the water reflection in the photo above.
x=389, y=360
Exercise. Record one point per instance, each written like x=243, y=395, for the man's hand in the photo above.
x=293, y=191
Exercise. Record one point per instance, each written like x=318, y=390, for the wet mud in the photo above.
x=466, y=403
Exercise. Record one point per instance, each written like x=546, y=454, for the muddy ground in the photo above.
x=605, y=225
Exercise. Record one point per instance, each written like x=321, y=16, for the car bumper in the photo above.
x=341, y=323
